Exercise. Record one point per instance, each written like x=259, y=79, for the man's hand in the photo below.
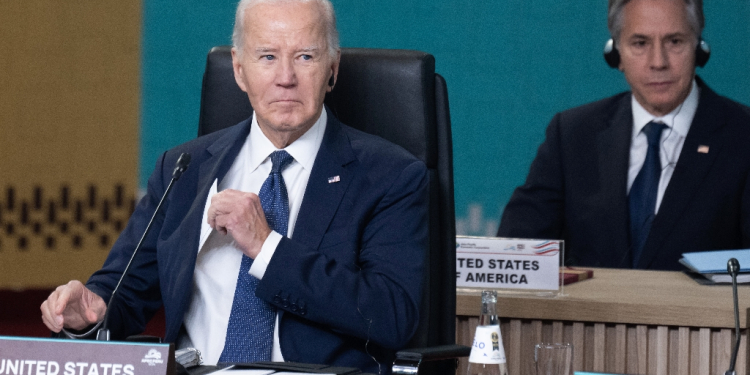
x=241, y=215
x=72, y=306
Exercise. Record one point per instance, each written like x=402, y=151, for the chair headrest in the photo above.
x=389, y=93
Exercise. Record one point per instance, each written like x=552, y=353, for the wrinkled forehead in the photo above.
x=289, y=23
x=655, y=18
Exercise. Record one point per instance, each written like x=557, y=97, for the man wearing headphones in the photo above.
x=637, y=179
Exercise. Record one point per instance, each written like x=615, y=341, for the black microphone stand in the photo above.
x=181, y=166
x=733, y=267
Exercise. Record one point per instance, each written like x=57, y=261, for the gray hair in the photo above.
x=615, y=17
x=332, y=34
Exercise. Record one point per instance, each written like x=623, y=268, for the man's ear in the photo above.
x=239, y=72
x=334, y=71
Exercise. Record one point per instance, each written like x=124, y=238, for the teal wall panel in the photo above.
x=176, y=39
x=510, y=66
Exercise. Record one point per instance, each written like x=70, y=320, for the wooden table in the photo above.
x=621, y=321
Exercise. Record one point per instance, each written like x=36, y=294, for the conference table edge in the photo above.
x=685, y=303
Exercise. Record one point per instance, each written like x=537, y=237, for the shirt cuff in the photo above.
x=258, y=269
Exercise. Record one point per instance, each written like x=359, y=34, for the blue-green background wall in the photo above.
x=510, y=65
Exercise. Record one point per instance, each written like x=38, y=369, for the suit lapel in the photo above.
x=613, y=146
x=322, y=197
x=221, y=155
x=692, y=168
x=219, y=158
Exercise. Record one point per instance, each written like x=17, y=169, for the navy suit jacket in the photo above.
x=576, y=189
x=347, y=284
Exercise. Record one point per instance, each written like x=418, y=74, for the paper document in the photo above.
x=724, y=278
x=231, y=370
x=205, y=229
x=715, y=261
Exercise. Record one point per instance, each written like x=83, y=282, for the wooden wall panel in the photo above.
x=69, y=119
x=615, y=348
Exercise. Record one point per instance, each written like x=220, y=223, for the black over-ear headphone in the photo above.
x=612, y=55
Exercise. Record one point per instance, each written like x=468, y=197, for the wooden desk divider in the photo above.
x=622, y=322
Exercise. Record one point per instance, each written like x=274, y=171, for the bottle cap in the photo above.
x=489, y=296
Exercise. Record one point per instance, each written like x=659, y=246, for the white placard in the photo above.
x=43, y=356
x=490, y=262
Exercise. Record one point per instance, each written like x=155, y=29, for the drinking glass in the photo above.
x=553, y=359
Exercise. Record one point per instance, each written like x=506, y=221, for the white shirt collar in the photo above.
x=679, y=119
x=303, y=150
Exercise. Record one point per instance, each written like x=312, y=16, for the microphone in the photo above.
x=733, y=267
x=182, y=164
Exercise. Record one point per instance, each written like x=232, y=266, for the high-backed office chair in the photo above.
x=396, y=95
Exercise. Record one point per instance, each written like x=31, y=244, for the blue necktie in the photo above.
x=642, y=199
x=250, y=330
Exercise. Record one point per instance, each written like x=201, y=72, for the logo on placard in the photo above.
x=153, y=357
x=515, y=247
x=547, y=248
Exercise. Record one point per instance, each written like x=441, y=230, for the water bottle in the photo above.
x=487, y=353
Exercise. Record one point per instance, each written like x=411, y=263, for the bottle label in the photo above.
x=488, y=346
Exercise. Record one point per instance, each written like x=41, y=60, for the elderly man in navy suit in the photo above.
x=290, y=237
x=637, y=179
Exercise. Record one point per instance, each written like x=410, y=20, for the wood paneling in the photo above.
x=621, y=321
x=598, y=346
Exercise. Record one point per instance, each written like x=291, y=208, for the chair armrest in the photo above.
x=434, y=353
x=408, y=360
x=144, y=338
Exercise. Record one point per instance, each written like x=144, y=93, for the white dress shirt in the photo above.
x=218, y=262
x=670, y=144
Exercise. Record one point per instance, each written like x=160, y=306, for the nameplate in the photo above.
x=34, y=356
x=504, y=263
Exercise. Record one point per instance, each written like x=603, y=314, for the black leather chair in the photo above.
x=396, y=95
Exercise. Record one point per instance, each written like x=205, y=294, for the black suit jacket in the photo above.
x=576, y=189
x=347, y=284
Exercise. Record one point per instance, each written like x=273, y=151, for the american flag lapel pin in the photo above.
x=334, y=179
x=702, y=149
